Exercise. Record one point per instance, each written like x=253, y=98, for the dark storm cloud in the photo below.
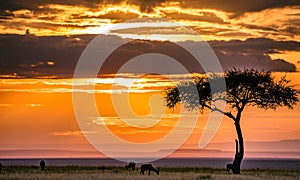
x=256, y=61
x=12, y=5
x=6, y=14
x=252, y=26
x=260, y=45
x=19, y=52
x=7, y=7
x=204, y=16
x=42, y=11
x=49, y=17
x=146, y=5
x=235, y=6
x=253, y=53
x=47, y=25
x=239, y=7
x=28, y=55
x=34, y=5
x=293, y=29
x=117, y=16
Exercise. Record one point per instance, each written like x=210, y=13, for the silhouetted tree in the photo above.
x=246, y=87
x=1, y=167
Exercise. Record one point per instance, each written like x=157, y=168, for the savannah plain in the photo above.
x=103, y=172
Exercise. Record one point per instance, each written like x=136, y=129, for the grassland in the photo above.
x=81, y=172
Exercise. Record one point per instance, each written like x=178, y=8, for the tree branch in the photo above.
x=228, y=114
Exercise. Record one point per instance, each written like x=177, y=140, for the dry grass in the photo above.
x=79, y=172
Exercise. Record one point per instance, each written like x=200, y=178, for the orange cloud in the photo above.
x=233, y=20
x=66, y=133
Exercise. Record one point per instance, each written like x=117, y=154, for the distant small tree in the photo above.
x=248, y=87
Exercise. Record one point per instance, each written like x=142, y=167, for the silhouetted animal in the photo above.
x=1, y=167
x=229, y=167
x=148, y=167
x=131, y=165
x=103, y=168
x=43, y=165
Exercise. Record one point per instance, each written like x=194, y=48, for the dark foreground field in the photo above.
x=81, y=172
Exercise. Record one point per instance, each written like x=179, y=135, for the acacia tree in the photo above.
x=248, y=87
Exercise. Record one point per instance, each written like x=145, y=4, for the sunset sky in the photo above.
x=42, y=41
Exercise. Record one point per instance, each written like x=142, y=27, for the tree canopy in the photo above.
x=243, y=87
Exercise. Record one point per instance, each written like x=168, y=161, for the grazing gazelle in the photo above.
x=131, y=165
x=149, y=167
x=229, y=167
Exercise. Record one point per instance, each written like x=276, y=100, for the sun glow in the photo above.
x=50, y=115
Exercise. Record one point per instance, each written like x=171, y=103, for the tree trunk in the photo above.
x=239, y=152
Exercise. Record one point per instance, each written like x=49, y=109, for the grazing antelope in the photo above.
x=229, y=167
x=43, y=165
x=149, y=167
x=131, y=165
